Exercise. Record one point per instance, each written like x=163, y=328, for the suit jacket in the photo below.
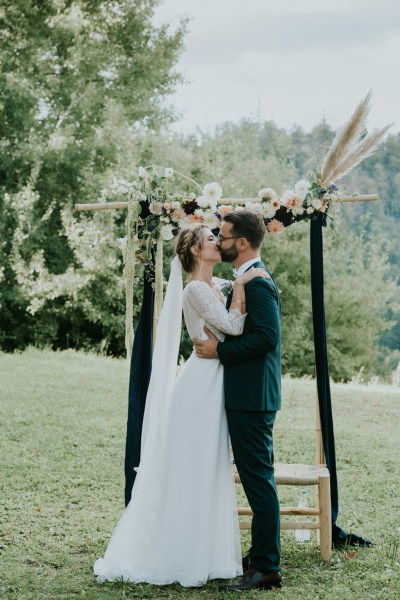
x=252, y=361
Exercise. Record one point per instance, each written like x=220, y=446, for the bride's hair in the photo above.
x=186, y=239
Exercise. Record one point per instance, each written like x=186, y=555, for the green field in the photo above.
x=63, y=418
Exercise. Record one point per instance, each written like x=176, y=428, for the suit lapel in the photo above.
x=261, y=265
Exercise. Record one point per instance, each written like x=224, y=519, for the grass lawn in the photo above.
x=63, y=418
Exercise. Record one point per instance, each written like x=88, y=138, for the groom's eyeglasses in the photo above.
x=221, y=238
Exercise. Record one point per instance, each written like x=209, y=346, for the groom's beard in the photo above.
x=230, y=254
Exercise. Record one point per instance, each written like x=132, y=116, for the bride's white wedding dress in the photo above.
x=181, y=523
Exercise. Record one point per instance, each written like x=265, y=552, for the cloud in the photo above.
x=285, y=34
x=288, y=61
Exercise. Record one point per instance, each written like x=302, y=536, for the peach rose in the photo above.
x=224, y=210
x=275, y=226
x=293, y=203
x=178, y=214
x=195, y=218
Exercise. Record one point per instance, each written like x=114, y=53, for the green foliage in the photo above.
x=76, y=80
x=358, y=292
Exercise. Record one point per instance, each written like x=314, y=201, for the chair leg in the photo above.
x=325, y=517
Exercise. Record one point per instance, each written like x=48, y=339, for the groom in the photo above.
x=252, y=387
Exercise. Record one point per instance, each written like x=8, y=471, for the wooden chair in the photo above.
x=305, y=475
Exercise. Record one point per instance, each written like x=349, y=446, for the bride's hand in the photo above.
x=251, y=274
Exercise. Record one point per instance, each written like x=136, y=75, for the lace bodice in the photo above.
x=202, y=307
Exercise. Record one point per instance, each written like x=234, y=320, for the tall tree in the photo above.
x=76, y=79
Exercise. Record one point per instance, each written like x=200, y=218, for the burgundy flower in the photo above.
x=190, y=206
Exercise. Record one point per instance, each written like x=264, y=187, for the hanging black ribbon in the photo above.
x=318, y=220
x=141, y=362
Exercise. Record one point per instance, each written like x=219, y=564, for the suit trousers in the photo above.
x=252, y=445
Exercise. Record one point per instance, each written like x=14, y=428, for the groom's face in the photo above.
x=227, y=243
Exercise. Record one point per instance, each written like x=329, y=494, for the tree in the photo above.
x=77, y=78
x=358, y=292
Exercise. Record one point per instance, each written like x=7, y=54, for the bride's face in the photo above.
x=209, y=250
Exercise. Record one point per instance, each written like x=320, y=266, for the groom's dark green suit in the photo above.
x=252, y=387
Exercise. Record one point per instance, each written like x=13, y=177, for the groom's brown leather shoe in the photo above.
x=254, y=579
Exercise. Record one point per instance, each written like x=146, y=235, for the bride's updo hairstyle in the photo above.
x=185, y=240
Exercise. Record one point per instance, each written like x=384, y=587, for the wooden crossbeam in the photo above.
x=119, y=205
x=284, y=510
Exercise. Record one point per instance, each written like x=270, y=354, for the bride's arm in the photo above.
x=206, y=305
x=238, y=301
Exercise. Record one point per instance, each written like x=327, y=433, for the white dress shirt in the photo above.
x=240, y=270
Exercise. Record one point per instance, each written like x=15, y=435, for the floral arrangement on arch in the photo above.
x=158, y=210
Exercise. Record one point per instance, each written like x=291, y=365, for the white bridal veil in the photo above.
x=163, y=373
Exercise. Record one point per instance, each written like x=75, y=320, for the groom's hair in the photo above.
x=248, y=225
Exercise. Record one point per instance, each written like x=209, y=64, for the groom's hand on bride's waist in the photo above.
x=206, y=348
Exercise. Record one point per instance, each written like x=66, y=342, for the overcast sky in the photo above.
x=290, y=61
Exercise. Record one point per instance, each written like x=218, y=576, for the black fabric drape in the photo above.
x=339, y=536
x=321, y=354
x=141, y=362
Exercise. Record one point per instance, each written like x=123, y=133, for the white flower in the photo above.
x=275, y=202
x=310, y=210
x=203, y=202
x=155, y=207
x=316, y=203
x=267, y=193
x=302, y=188
x=213, y=222
x=210, y=219
x=213, y=192
x=185, y=222
x=255, y=207
x=175, y=205
x=192, y=196
x=141, y=172
x=293, y=202
x=199, y=212
x=166, y=232
x=122, y=242
x=168, y=172
x=286, y=196
x=269, y=210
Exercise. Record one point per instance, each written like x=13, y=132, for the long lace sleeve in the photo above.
x=202, y=300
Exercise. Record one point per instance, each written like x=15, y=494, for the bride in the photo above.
x=181, y=524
